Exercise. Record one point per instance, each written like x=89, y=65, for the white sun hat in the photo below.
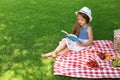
x=86, y=11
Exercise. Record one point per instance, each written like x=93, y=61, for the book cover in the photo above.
x=71, y=36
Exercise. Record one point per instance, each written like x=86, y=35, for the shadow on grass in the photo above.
x=23, y=64
x=20, y=57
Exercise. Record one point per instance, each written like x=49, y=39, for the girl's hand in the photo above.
x=79, y=44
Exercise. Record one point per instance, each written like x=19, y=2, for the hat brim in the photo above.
x=76, y=12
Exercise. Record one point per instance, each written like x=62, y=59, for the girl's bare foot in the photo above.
x=49, y=55
x=46, y=55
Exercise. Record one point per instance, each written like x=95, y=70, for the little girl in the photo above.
x=81, y=29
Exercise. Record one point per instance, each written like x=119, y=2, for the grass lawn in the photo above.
x=29, y=28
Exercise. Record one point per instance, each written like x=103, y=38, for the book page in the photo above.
x=72, y=35
x=66, y=33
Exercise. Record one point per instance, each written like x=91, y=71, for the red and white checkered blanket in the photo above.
x=73, y=64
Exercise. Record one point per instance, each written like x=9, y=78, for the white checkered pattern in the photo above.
x=73, y=64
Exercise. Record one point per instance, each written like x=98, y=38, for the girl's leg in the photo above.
x=60, y=47
x=63, y=51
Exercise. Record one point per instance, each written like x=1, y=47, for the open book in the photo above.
x=71, y=36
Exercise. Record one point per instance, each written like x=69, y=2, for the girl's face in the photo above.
x=81, y=20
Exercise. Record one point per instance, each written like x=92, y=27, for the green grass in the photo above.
x=29, y=28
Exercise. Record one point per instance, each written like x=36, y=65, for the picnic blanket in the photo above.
x=73, y=64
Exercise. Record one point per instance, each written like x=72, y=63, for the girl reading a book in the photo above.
x=81, y=29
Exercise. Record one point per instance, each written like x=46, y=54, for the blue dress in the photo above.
x=84, y=34
x=83, y=37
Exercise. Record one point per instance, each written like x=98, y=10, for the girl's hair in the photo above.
x=76, y=28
